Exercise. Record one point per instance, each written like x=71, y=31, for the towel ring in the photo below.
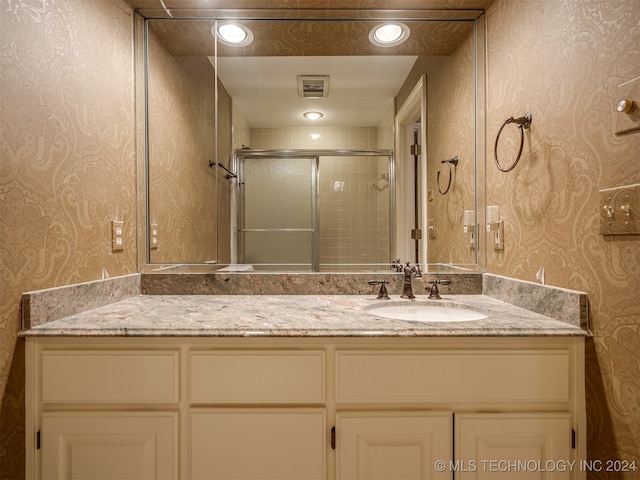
x=453, y=161
x=523, y=123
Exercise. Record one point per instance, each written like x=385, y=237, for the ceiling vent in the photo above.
x=313, y=86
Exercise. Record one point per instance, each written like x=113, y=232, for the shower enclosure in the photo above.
x=314, y=210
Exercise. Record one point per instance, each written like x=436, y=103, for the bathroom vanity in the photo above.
x=302, y=387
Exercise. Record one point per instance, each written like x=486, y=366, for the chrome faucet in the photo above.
x=435, y=292
x=407, y=290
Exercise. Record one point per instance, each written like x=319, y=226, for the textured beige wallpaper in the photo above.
x=562, y=60
x=450, y=133
x=67, y=167
x=182, y=185
x=188, y=199
x=450, y=127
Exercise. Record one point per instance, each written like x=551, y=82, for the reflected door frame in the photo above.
x=414, y=110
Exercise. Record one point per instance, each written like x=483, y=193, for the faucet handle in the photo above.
x=382, y=294
x=396, y=265
x=435, y=292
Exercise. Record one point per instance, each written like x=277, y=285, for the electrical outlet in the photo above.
x=117, y=235
x=153, y=236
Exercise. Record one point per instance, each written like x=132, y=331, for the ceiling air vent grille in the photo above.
x=313, y=86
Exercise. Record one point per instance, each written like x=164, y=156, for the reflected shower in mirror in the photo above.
x=218, y=103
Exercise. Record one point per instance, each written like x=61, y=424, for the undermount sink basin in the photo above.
x=424, y=312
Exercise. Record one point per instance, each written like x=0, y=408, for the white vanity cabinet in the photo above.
x=497, y=408
x=303, y=408
x=100, y=445
x=103, y=412
x=393, y=445
x=514, y=445
x=269, y=420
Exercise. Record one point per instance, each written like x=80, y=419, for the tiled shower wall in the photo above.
x=354, y=215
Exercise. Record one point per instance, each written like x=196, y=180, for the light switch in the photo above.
x=620, y=210
x=432, y=228
x=497, y=235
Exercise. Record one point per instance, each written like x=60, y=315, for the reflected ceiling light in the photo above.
x=312, y=115
x=314, y=136
x=234, y=34
x=389, y=34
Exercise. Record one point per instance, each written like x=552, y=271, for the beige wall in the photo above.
x=182, y=185
x=67, y=167
x=450, y=129
x=562, y=60
x=450, y=133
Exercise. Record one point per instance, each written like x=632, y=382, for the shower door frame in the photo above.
x=314, y=155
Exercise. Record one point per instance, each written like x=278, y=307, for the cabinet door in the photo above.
x=392, y=446
x=513, y=445
x=258, y=444
x=111, y=446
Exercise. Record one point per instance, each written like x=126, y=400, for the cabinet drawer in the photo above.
x=257, y=377
x=118, y=376
x=453, y=376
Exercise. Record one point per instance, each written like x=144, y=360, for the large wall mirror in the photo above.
x=240, y=179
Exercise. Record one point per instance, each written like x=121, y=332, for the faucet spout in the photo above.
x=407, y=290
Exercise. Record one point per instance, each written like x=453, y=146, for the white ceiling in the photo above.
x=361, y=88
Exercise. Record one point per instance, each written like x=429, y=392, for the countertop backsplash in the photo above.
x=43, y=306
x=562, y=304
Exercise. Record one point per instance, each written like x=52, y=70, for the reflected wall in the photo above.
x=452, y=103
x=181, y=141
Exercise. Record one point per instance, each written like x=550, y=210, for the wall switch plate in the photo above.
x=497, y=236
x=117, y=235
x=153, y=236
x=620, y=210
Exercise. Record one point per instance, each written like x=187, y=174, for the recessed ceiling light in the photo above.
x=233, y=34
x=312, y=115
x=389, y=34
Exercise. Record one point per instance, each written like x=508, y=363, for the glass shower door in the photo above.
x=278, y=221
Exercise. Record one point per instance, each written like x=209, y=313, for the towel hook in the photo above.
x=523, y=123
x=452, y=161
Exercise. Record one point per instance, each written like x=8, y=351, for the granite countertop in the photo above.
x=293, y=316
